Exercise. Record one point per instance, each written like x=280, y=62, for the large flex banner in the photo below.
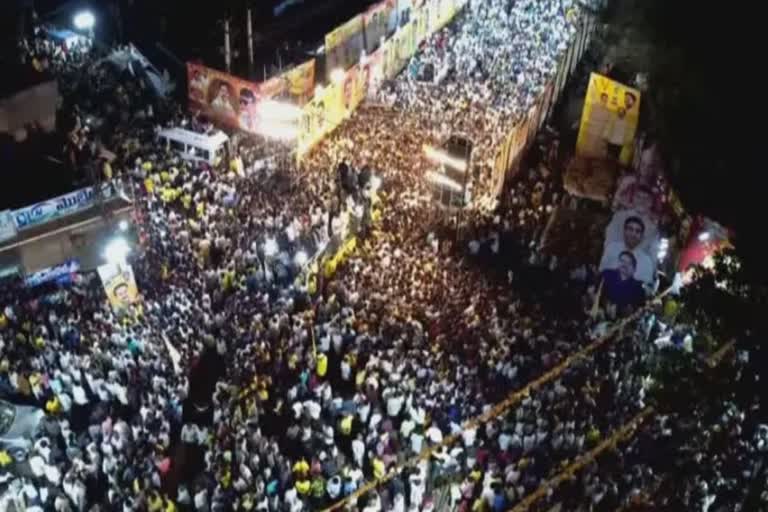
x=300, y=82
x=233, y=102
x=609, y=120
x=344, y=45
x=223, y=98
x=376, y=20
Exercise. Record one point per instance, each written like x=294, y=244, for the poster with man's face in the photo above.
x=119, y=285
x=629, y=231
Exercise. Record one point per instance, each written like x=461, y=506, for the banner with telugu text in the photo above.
x=609, y=120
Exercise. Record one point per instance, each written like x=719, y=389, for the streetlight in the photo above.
x=123, y=225
x=84, y=20
x=117, y=250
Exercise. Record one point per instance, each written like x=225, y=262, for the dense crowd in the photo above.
x=481, y=75
x=229, y=387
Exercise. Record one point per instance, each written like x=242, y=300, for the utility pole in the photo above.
x=249, y=30
x=227, y=47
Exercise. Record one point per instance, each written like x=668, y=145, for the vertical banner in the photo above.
x=389, y=54
x=7, y=226
x=344, y=45
x=421, y=24
x=376, y=22
x=300, y=82
x=373, y=70
x=433, y=7
x=119, y=285
x=404, y=13
x=546, y=105
x=447, y=12
x=574, y=56
x=533, y=121
x=404, y=48
x=562, y=75
x=609, y=120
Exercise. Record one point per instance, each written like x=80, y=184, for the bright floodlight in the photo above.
x=84, y=20
x=271, y=247
x=442, y=179
x=337, y=75
x=704, y=236
x=123, y=225
x=278, y=130
x=277, y=111
x=444, y=158
x=117, y=250
x=301, y=258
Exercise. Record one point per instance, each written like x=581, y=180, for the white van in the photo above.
x=198, y=147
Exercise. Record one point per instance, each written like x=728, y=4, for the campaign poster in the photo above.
x=609, y=120
x=119, y=285
x=297, y=84
x=344, y=45
x=223, y=98
x=373, y=70
x=376, y=20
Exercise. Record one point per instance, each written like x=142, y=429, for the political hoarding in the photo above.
x=300, y=81
x=344, y=44
x=7, y=226
x=223, y=98
x=376, y=20
x=373, y=70
x=609, y=120
x=45, y=211
x=119, y=285
x=233, y=102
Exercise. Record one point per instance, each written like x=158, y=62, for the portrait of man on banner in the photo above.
x=636, y=230
x=221, y=98
x=119, y=285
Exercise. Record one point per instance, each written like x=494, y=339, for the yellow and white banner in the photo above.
x=119, y=285
x=609, y=120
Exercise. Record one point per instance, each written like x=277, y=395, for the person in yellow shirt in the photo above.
x=322, y=365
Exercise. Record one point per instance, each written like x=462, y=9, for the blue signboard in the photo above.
x=61, y=206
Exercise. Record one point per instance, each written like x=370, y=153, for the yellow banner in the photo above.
x=344, y=44
x=405, y=46
x=434, y=15
x=301, y=81
x=609, y=120
x=420, y=18
x=319, y=116
x=447, y=12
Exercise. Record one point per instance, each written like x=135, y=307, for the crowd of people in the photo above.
x=481, y=75
x=230, y=386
